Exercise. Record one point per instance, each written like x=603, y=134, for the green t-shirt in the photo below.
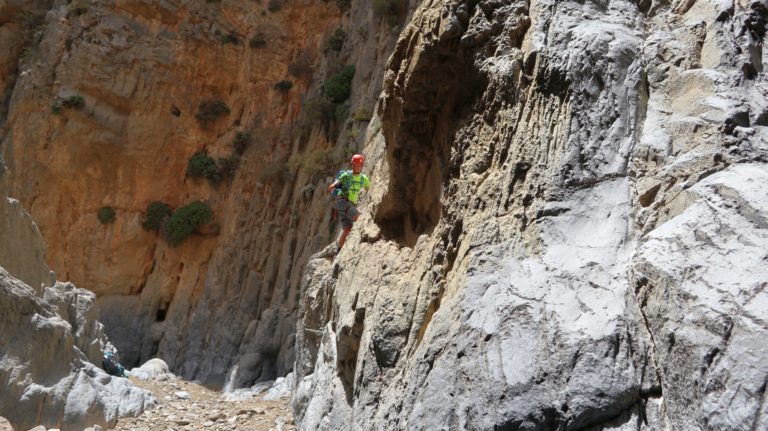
x=356, y=183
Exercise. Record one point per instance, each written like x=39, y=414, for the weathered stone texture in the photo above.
x=47, y=374
x=143, y=68
x=23, y=252
x=567, y=228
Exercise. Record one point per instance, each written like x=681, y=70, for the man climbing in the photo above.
x=349, y=185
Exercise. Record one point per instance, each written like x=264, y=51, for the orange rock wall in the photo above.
x=143, y=68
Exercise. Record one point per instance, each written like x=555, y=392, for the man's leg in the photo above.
x=354, y=216
x=343, y=236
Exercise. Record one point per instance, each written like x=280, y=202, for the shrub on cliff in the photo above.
x=343, y=5
x=301, y=65
x=203, y=165
x=74, y=102
x=211, y=109
x=230, y=37
x=341, y=113
x=362, y=114
x=391, y=10
x=258, y=41
x=283, y=85
x=336, y=41
x=273, y=173
x=106, y=215
x=77, y=8
x=339, y=86
x=157, y=214
x=185, y=220
x=312, y=162
x=319, y=109
x=241, y=142
x=275, y=5
x=228, y=166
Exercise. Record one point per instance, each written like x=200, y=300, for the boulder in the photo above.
x=153, y=369
x=5, y=425
x=282, y=388
x=45, y=374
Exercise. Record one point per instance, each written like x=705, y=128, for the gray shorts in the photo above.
x=347, y=211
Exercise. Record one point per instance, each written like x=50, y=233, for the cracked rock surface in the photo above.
x=47, y=371
x=567, y=228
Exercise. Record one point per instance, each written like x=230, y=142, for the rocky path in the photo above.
x=188, y=406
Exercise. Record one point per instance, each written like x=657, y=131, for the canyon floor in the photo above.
x=199, y=407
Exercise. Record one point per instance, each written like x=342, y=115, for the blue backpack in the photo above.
x=345, y=182
x=111, y=365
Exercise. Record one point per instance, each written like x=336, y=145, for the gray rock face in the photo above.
x=47, y=374
x=23, y=253
x=153, y=369
x=702, y=278
x=566, y=231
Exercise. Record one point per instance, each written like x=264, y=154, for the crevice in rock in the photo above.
x=348, y=344
x=419, y=111
x=649, y=196
x=432, y=308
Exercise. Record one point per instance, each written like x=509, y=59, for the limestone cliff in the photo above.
x=108, y=102
x=50, y=361
x=51, y=341
x=568, y=229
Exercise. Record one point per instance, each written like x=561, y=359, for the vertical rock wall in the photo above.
x=566, y=230
x=226, y=298
x=51, y=340
x=558, y=189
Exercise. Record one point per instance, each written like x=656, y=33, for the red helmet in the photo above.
x=358, y=158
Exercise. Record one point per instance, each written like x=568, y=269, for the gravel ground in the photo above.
x=189, y=406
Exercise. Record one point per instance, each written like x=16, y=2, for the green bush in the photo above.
x=203, y=165
x=301, y=66
x=185, y=220
x=230, y=37
x=211, y=109
x=273, y=172
x=312, y=162
x=275, y=5
x=75, y=101
x=336, y=41
x=341, y=113
x=228, y=166
x=32, y=20
x=283, y=85
x=339, y=86
x=157, y=214
x=391, y=10
x=241, y=142
x=361, y=114
x=106, y=215
x=258, y=41
x=319, y=109
x=343, y=5
x=77, y=7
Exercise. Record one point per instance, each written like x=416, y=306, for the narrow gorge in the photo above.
x=566, y=226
